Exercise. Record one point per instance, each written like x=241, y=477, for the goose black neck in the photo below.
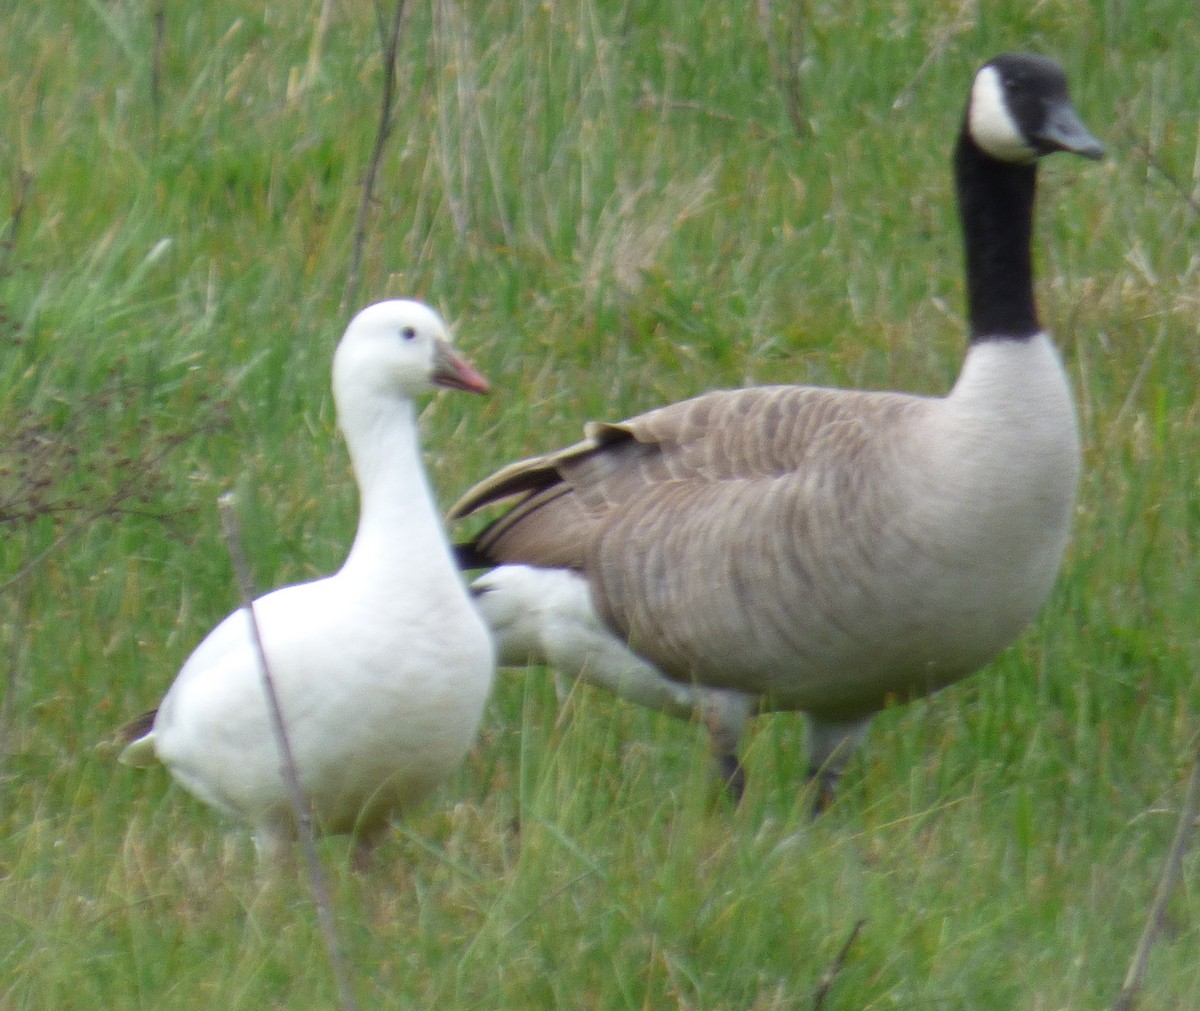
x=995, y=201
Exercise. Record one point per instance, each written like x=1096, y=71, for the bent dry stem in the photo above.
x=300, y=809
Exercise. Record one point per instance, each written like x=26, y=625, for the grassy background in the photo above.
x=613, y=204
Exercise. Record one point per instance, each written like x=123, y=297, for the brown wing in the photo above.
x=694, y=523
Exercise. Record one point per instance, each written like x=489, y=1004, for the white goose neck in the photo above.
x=397, y=518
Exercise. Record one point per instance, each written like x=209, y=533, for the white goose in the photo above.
x=830, y=550
x=382, y=670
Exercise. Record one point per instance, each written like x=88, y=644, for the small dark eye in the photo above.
x=1018, y=81
x=408, y=332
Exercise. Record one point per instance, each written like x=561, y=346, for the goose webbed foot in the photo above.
x=733, y=775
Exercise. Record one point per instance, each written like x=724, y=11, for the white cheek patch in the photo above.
x=991, y=124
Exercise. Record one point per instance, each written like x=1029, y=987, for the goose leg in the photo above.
x=362, y=855
x=725, y=714
x=732, y=775
x=831, y=745
x=274, y=847
x=825, y=781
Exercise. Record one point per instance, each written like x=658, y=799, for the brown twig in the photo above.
x=389, y=37
x=156, y=64
x=1160, y=168
x=291, y=776
x=963, y=19
x=34, y=563
x=14, y=656
x=16, y=215
x=784, y=33
x=315, y=50
x=1167, y=883
x=830, y=975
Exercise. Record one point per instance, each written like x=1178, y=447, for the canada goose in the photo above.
x=833, y=550
x=382, y=670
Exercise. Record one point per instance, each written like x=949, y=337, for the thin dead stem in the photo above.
x=16, y=216
x=1160, y=168
x=963, y=19
x=784, y=33
x=298, y=87
x=291, y=776
x=156, y=65
x=12, y=678
x=830, y=975
x=1156, y=918
x=389, y=37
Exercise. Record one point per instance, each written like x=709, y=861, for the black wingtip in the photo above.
x=468, y=557
x=138, y=727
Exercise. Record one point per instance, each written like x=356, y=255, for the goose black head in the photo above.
x=1019, y=111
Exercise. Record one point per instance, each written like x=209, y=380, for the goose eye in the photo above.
x=408, y=332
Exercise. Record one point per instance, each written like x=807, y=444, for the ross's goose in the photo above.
x=834, y=550
x=382, y=670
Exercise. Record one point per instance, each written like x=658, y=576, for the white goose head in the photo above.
x=398, y=349
x=1019, y=110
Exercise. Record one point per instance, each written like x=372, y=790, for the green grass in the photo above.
x=611, y=202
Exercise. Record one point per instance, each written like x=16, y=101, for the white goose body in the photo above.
x=831, y=550
x=382, y=670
